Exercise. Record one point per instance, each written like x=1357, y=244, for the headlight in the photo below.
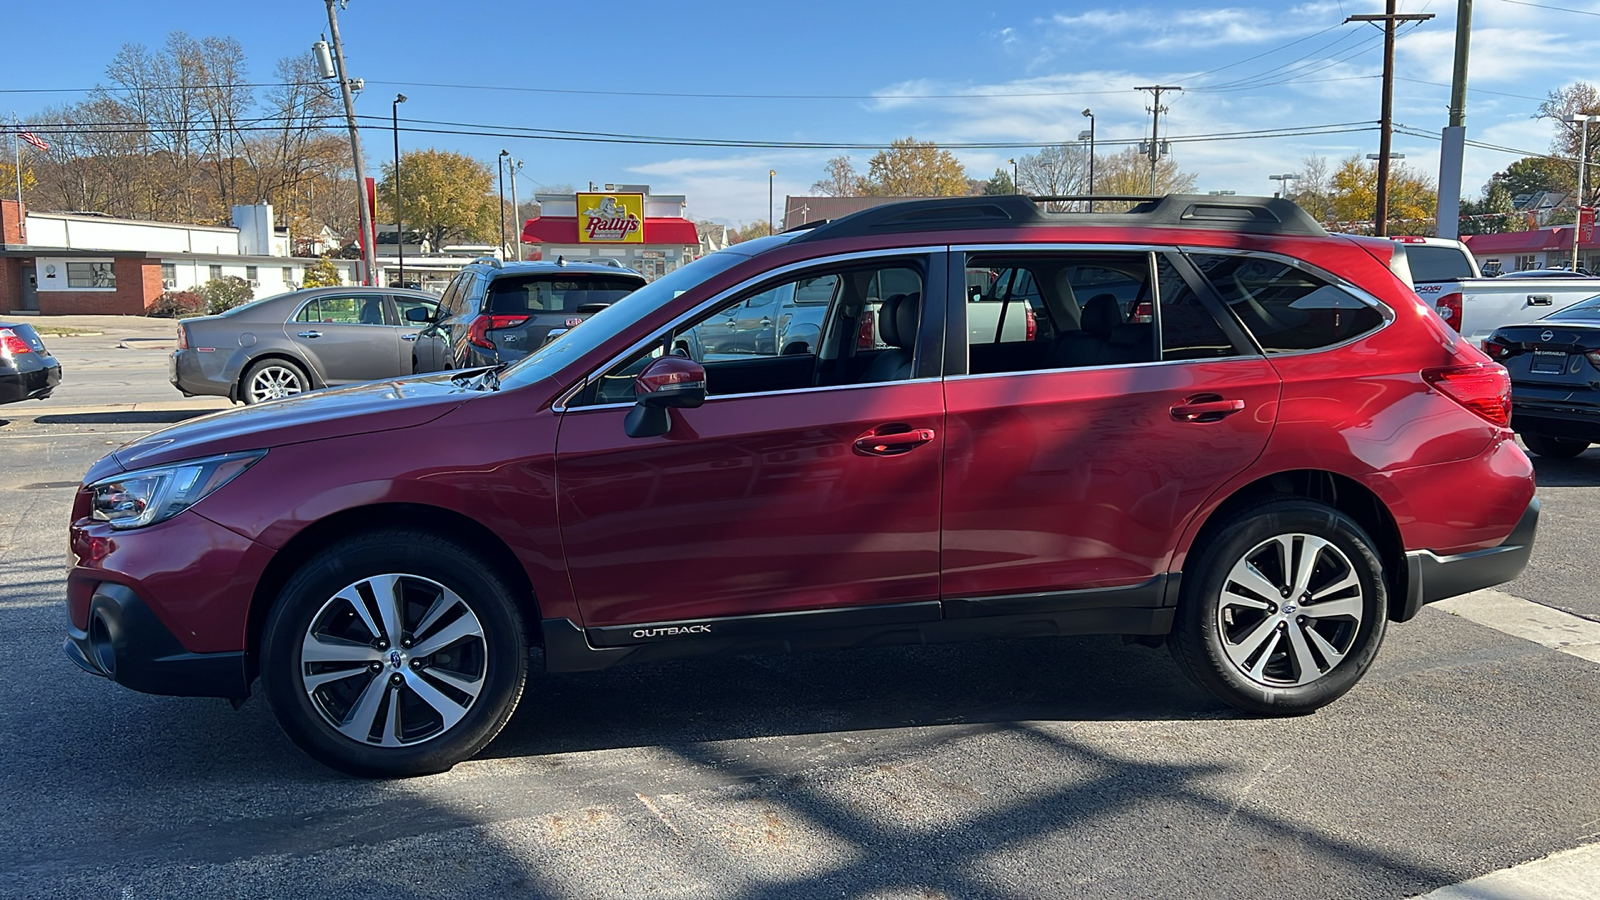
x=147, y=496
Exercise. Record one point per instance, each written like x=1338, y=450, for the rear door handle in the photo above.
x=1540, y=299
x=894, y=444
x=409, y=337
x=1206, y=408
x=311, y=334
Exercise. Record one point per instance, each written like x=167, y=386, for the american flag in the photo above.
x=34, y=139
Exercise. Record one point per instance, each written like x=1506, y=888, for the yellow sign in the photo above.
x=610, y=218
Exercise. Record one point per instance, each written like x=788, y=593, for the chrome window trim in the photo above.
x=1384, y=309
x=1254, y=357
x=721, y=296
x=720, y=397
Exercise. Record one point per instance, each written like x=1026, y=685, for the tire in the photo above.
x=1552, y=447
x=1253, y=646
x=272, y=379
x=368, y=707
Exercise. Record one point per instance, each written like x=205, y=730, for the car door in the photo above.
x=1076, y=465
x=410, y=332
x=795, y=487
x=345, y=337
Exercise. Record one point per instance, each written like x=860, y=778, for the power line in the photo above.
x=1581, y=12
x=1241, y=62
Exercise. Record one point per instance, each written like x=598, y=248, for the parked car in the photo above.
x=1555, y=378
x=1264, y=475
x=289, y=343
x=1445, y=275
x=494, y=313
x=27, y=370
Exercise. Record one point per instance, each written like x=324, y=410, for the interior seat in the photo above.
x=371, y=313
x=1090, y=345
x=897, y=326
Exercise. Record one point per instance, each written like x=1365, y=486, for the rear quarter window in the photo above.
x=541, y=293
x=1285, y=308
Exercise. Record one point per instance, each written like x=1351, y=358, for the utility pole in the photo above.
x=1386, y=123
x=368, y=237
x=1452, y=147
x=515, y=166
x=1156, y=109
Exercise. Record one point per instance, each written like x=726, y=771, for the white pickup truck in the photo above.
x=1444, y=274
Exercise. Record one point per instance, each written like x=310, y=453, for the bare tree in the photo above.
x=1057, y=170
x=842, y=180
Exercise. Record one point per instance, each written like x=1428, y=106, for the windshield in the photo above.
x=614, y=319
x=1583, y=309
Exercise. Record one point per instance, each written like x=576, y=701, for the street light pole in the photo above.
x=500, y=168
x=1582, y=121
x=368, y=238
x=515, y=165
x=399, y=227
x=1089, y=113
x=1284, y=180
x=1015, y=188
x=771, y=174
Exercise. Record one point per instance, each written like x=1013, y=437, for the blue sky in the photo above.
x=867, y=72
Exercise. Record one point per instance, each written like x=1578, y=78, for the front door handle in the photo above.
x=409, y=337
x=1204, y=408
x=895, y=443
x=311, y=334
x=1540, y=299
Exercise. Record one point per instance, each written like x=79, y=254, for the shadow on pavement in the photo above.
x=123, y=417
x=1582, y=471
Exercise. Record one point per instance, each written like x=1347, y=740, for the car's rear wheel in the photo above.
x=1283, y=610
x=1554, y=448
x=274, y=379
x=394, y=653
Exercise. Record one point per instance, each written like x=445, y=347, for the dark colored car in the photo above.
x=1555, y=378
x=289, y=343
x=27, y=370
x=494, y=313
x=1264, y=472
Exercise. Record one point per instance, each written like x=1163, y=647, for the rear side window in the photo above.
x=541, y=293
x=1188, y=330
x=1436, y=263
x=1285, y=308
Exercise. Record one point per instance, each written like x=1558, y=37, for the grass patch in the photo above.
x=62, y=331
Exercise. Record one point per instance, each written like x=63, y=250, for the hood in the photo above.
x=314, y=416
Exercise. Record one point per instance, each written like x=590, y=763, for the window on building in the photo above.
x=169, y=275
x=1525, y=261
x=251, y=273
x=91, y=275
x=288, y=275
x=216, y=272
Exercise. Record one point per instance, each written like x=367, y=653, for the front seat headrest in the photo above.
x=1101, y=314
x=897, y=319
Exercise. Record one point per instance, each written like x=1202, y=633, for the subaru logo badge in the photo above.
x=394, y=658
x=1547, y=335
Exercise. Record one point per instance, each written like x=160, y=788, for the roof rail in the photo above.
x=490, y=260
x=1250, y=215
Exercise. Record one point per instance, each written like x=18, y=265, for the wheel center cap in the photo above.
x=396, y=660
x=1290, y=609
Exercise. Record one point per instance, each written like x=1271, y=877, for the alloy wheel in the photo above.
x=274, y=383
x=1290, y=610
x=393, y=660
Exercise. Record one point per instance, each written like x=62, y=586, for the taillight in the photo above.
x=1496, y=349
x=1449, y=309
x=478, y=334
x=864, y=337
x=1143, y=313
x=183, y=338
x=11, y=345
x=1033, y=326
x=1482, y=389
x=1593, y=356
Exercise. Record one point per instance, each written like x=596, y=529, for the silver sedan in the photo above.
x=299, y=341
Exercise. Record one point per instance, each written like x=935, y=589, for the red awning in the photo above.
x=1540, y=239
x=564, y=230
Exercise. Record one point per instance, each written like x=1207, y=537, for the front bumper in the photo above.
x=125, y=642
x=1430, y=577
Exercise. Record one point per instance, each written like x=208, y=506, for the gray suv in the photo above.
x=494, y=313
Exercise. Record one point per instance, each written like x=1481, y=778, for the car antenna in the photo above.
x=561, y=260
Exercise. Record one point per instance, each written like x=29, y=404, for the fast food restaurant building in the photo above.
x=625, y=222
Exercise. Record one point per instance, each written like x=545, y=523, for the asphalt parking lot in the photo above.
x=1077, y=767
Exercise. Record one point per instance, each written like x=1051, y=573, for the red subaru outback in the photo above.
x=1222, y=426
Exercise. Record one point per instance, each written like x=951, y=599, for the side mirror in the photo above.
x=666, y=383
x=418, y=314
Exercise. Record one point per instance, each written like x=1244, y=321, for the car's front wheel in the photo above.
x=394, y=653
x=1283, y=610
x=1554, y=448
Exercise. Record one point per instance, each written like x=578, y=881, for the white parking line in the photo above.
x=1569, y=875
x=1531, y=621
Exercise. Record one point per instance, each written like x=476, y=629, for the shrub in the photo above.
x=322, y=273
x=177, y=305
x=223, y=294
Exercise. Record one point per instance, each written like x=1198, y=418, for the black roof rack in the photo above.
x=1212, y=212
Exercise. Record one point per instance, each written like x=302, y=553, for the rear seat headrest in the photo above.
x=1101, y=314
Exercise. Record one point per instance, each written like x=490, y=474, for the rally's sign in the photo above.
x=610, y=218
